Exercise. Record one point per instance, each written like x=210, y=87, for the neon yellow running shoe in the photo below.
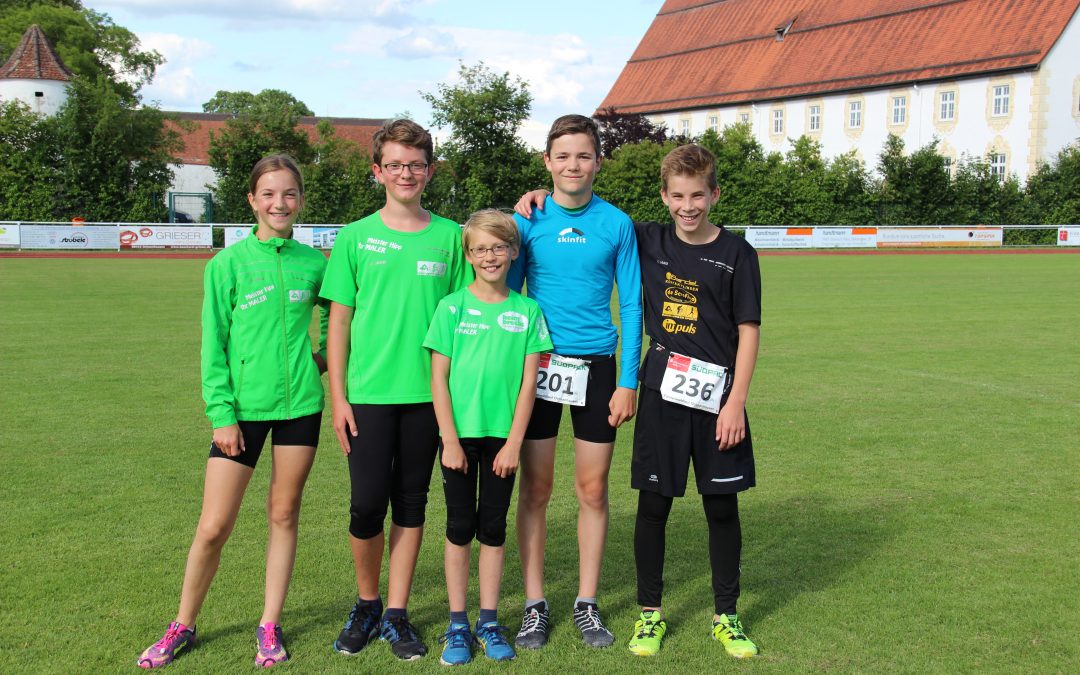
x=648, y=634
x=729, y=631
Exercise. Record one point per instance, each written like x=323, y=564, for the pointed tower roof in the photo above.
x=34, y=59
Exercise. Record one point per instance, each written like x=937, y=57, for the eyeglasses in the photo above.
x=497, y=249
x=395, y=168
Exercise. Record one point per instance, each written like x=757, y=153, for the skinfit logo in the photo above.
x=571, y=235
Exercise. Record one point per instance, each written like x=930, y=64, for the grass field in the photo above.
x=916, y=425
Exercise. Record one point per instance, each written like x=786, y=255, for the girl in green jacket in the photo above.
x=259, y=375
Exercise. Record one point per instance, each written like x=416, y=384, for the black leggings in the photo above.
x=468, y=516
x=725, y=547
x=390, y=461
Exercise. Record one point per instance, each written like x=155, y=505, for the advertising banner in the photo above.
x=9, y=236
x=1067, y=236
x=162, y=236
x=780, y=237
x=943, y=237
x=79, y=237
x=845, y=237
x=235, y=233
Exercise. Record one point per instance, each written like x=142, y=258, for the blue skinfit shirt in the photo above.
x=570, y=260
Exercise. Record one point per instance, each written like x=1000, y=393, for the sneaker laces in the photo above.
x=733, y=627
x=647, y=628
x=589, y=619
x=457, y=636
x=269, y=638
x=494, y=634
x=402, y=629
x=172, y=635
x=531, y=621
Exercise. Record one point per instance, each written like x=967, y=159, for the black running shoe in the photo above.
x=593, y=631
x=361, y=628
x=534, y=627
x=403, y=638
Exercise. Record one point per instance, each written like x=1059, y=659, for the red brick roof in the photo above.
x=34, y=59
x=197, y=142
x=703, y=53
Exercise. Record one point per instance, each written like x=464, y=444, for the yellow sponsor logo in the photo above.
x=679, y=295
x=684, y=284
x=674, y=309
x=674, y=327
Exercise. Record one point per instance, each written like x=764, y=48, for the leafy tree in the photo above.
x=619, y=129
x=262, y=127
x=266, y=102
x=99, y=158
x=88, y=42
x=631, y=180
x=338, y=183
x=1053, y=191
x=483, y=164
x=981, y=198
x=915, y=189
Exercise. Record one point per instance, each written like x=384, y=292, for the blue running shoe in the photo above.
x=491, y=637
x=457, y=641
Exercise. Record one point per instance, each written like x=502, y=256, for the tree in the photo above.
x=88, y=42
x=266, y=102
x=338, y=183
x=631, y=180
x=1053, y=191
x=265, y=124
x=483, y=164
x=915, y=189
x=99, y=158
x=619, y=129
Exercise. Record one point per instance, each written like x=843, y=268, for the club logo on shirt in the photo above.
x=429, y=268
x=542, y=331
x=571, y=235
x=679, y=295
x=674, y=327
x=685, y=284
x=513, y=322
x=301, y=295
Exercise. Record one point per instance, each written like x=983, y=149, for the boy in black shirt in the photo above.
x=702, y=299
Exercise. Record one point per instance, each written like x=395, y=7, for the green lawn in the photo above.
x=916, y=423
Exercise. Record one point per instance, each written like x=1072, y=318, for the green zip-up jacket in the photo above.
x=256, y=352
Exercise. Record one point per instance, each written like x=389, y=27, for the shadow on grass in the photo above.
x=791, y=547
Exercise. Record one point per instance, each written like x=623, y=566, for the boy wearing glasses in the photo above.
x=386, y=275
x=485, y=343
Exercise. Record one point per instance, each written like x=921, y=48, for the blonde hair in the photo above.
x=496, y=223
x=689, y=160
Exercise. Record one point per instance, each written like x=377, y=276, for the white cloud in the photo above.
x=422, y=43
x=252, y=12
x=176, y=85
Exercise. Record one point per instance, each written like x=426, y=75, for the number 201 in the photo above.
x=554, y=382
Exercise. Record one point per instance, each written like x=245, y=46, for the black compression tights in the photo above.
x=725, y=547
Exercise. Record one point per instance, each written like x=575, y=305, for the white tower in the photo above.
x=35, y=74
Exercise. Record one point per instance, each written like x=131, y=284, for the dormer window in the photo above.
x=783, y=29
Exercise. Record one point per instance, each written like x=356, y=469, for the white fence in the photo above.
x=121, y=236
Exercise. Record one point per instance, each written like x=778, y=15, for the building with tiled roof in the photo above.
x=34, y=74
x=194, y=173
x=993, y=79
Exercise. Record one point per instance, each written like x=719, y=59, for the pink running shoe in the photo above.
x=271, y=651
x=177, y=637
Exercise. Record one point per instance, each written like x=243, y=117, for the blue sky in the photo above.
x=371, y=58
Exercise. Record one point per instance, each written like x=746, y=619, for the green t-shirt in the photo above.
x=393, y=281
x=487, y=344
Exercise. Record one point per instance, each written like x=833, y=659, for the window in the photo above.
x=997, y=165
x=778, y=121
x=1001, y=100
x=714, y=123
x=815, y=118
x=948, y=106
x=685, y=127
x=899, y=109
x=855, y=115
x=744, y=117
x=39, y=94
x=947, y=162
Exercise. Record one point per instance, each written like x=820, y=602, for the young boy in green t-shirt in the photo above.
x=485, y=343
x=386, y=274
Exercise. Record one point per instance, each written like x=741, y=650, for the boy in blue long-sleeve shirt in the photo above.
x=572, y=251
